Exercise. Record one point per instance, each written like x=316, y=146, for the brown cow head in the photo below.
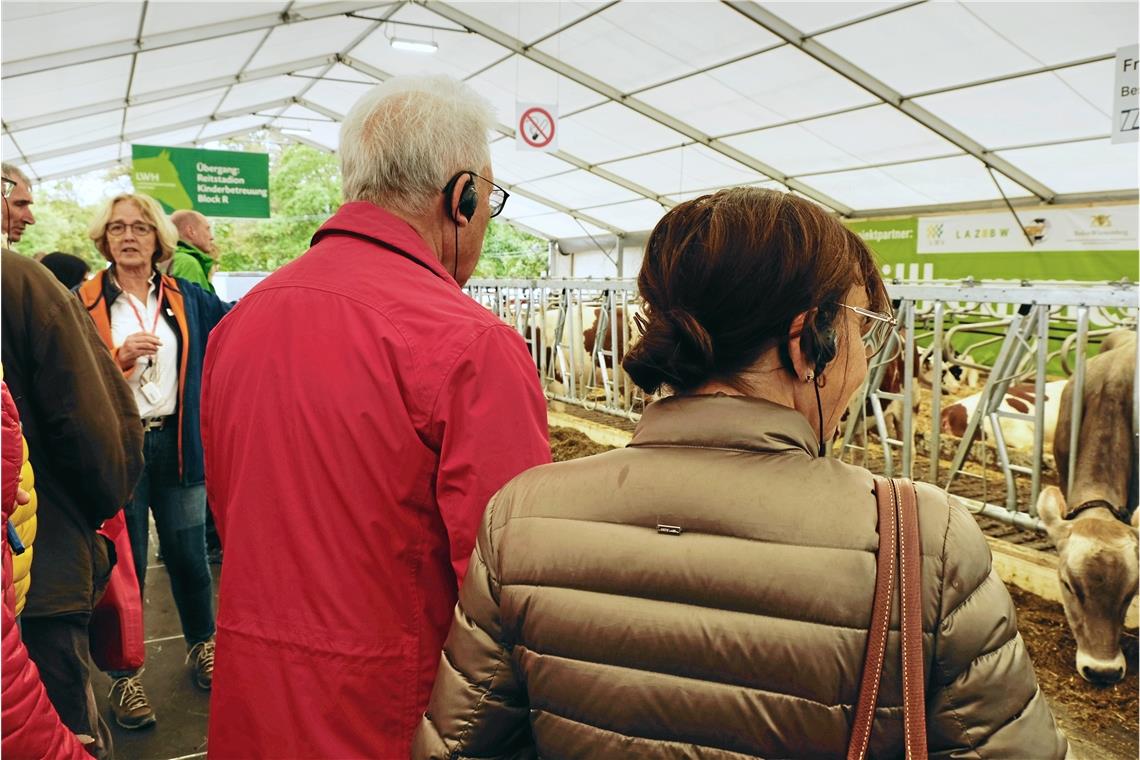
x=1098, y=572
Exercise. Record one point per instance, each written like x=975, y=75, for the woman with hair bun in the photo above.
x=707, y=591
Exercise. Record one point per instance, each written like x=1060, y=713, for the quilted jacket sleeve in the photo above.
x=478, y=707
x=983, y=699
x=18, y=472
x=11, y=448
x=28, y=723
x=24, y=521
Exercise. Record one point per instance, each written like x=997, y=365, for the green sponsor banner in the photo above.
x=895, y=243
x=213, y=182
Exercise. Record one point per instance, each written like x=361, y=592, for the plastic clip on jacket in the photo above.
x=14, y=540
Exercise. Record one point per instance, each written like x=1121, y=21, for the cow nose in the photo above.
x=1102, y=675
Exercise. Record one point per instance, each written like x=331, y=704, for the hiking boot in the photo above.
x=129, y=703
x=201, y=658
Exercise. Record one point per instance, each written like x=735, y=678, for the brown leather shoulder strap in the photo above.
x=880, y=622
x=910, y=584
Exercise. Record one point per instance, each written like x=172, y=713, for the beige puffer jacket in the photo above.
x=585, y=630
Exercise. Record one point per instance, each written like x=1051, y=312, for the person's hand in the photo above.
x=22, y=497
x=136, y=345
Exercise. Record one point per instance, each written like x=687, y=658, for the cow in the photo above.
x=894, y=377
x=1096, y=544
x=572, y=352
x=1018, y=434
x=895, y=373
x=628, y=333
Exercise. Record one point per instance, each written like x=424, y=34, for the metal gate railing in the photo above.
x=1008, y=333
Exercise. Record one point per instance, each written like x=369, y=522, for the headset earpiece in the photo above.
x=822, y=342
x=468, y=199
x=826, y=350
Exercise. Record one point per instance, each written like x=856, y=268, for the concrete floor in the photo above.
x=181, y=707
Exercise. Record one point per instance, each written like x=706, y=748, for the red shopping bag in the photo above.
x=116, y=630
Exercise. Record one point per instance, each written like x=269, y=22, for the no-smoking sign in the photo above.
x=537, y=127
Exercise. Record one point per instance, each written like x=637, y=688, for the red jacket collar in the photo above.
x=361, y=219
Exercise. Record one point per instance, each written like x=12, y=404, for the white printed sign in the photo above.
x=1101, y=228
x=537, y=127
x=1126, y=96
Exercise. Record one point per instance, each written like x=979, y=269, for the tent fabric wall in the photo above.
x=866, y=108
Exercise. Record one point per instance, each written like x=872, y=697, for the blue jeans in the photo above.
x=180, y=516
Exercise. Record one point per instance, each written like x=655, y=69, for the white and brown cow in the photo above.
x=572, y=352
x=894, y=377
x=1096, y=548
x=1018, y=434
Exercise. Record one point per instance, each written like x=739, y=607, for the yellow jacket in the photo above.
x=23, y=518
x=24, y=521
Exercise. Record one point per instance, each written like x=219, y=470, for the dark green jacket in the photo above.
x=197, y=274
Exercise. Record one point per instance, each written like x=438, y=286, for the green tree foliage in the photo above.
x=304, y=191
x=61, y=225
x=509, y=252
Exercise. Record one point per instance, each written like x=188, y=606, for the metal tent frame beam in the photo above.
x=865, y=106
x=120, y=161
x=158, y=96
x=390, y=11
x=195, y=122
x=94, y=53
x=508, y=131
x=560, y=67
x=1120, y=196
x=513, y=189
x=248, y=60
x=853, y=73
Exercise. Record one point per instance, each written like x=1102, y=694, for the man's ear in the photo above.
x=452, y=211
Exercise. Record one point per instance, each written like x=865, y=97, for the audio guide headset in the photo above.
x=468, y=202
x=821, y=341
x=820, y=348
x=468, y=197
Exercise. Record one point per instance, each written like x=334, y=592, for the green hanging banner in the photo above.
x=212, y=182
x=1092, y=243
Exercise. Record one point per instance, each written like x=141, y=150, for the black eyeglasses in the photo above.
x=876, y=328
x=497, y=198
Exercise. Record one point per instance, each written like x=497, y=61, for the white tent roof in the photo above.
x=869, y=108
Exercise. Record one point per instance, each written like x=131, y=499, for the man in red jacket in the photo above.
x=358, y=411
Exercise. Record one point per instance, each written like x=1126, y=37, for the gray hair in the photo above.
x=11, y=172
x=405, y=138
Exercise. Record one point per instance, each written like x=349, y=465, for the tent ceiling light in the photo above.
x=413, y=46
